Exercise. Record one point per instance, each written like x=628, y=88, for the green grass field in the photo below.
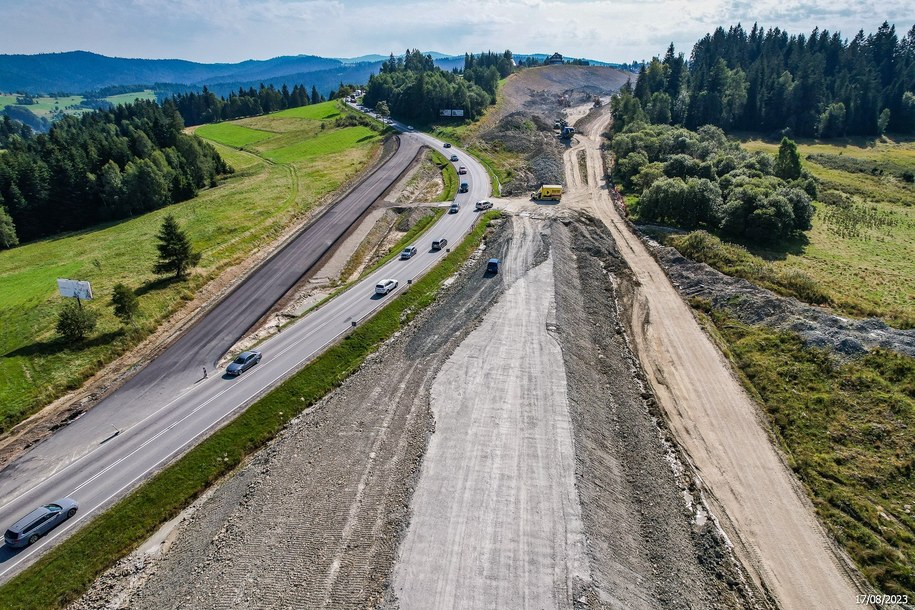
x=47, y=106
x=225, y=223
x=859, y=252
x=129, y=98
x=232, y=134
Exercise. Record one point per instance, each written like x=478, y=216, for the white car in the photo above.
x=385, y=286
x=483, y=204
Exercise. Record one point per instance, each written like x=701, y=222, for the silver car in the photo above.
x=244, y=362
x=39, y=522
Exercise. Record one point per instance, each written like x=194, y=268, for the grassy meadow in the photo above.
x=48, y=106
x=863, y=238
x=226, y=223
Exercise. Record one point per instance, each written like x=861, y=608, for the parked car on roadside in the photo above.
x=492, y=266
x=243, y=362
x=385, y=286
x=39, y=522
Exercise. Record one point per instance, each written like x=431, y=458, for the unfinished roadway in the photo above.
x=760, y=504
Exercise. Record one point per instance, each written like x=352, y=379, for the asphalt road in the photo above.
x=166, y=408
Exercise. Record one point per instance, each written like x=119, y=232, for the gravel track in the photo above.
x=763, y=509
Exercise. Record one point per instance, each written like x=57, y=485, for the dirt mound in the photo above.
x=540, y=90
x=532, y=100
x=754, y=305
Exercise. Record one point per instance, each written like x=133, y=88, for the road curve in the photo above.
x=167, y=408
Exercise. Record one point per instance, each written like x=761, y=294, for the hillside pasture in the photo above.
x=244, y=213
x=860, y=248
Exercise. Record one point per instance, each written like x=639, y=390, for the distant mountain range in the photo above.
x=79, y=72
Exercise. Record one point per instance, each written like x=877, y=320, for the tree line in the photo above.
x=101, y=166
x=817, y=85
x=701, y=180
x=206, y=107
x=414, y=88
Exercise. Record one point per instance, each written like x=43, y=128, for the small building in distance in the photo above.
x=555, y=58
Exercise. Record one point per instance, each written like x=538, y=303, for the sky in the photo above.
x=234, y=30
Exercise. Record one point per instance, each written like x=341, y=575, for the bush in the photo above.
x=75, y=322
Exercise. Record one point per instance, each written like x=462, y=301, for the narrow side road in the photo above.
x=758, y=501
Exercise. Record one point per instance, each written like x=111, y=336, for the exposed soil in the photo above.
x=532, y=100
x=651, y=539
x=752, y=492
x=421, y=185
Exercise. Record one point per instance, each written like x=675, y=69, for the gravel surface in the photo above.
x=496, y=521
x=652, y=542
x=754, y=305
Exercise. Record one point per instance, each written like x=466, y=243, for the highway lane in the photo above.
x=181, y=364
x=96, y=471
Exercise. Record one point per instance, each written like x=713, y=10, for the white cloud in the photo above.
x=232, y=30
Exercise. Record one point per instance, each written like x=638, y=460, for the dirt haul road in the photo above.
x=761, y=505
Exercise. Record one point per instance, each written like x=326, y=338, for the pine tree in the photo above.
x=788, y=162
x=125, y=303
x=315, y=96
x=175, y=252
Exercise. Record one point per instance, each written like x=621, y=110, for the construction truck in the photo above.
x=548, y=192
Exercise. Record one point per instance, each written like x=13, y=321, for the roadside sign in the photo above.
x=74, y=289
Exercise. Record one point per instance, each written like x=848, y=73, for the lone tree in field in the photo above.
x=175, y=252
x=788, y=161
x=125, y=303
x=74, y=322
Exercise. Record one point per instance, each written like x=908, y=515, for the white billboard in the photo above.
x=444, y=112
x=451, y=112
x=457, y=112
x=74, y=289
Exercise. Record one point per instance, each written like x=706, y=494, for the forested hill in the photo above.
x=105, y=165
x=816, y=85
x=413, y=87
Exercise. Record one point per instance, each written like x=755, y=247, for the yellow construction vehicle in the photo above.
x=550, y=192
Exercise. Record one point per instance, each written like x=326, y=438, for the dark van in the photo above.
x=492, y=266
